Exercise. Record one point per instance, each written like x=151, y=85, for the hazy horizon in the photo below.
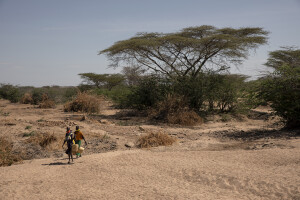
x=44, y=43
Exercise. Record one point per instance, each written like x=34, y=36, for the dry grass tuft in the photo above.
x=187, y=118
x=7, y=158
x=84, y=103
x=42, y=139
x=154, y=140
x=47, y=139
x=174, y=110
x=27, y=99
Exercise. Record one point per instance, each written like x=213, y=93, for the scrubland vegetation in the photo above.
x=83, y=102
x=34, y=95
x=37, y=142
x=180, y=78
x=7, y=158
x=184, y=100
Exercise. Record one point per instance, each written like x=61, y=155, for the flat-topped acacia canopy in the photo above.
x=187, y=52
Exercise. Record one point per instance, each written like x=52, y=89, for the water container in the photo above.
x=80, y=150
x=74, y=148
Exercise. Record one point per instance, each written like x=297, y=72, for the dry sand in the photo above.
x=214, y=160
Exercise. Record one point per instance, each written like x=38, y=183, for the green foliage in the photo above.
x=41, y=120
x=192, y=89
x=9, y=92
x=37, y=94
x=133, y=75
x=109, y=85
x=85, y=88
x=228, y=91
x=225, y=117
x=102, y=80
x=285, y=56
x=151, y=90
x=177, y=62
x=93, y=79
x=69, y=93
x=59, y=94
x=250, y=96
x=208, y=92
x=32, y=133
x=187, y=52
x=55, y=93
x=211, y=83
x=117, y=94
x=211, y=90
x=114, y=80
x=282, y=87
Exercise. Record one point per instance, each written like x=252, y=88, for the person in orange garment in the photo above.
x=78, y=137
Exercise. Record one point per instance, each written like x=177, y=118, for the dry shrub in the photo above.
x=7, y=158
x=187, y=118
x=84, y=103
x=33, y=147
x=129, y=113
x=154, y=140
x=42, y=139
x=47, y=139
x=46, y=102
x=174, y=110
x=27, y=99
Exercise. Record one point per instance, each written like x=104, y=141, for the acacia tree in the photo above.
x=97, y=80
x=285, y=56
x=187, y=52
x=133, y=74
x=282, y=87
x=102, y=80
x=113, y=80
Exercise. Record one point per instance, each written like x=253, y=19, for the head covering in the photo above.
x=77, y=127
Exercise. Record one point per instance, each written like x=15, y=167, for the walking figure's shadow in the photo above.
x=59, y=163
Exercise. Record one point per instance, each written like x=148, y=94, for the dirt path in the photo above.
x=169, y=174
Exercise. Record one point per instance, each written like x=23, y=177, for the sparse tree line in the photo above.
x=186, y=74
x=45, y=97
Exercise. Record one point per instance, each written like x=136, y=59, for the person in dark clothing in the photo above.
x=69, y=138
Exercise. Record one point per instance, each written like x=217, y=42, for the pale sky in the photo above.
x=49, y=42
